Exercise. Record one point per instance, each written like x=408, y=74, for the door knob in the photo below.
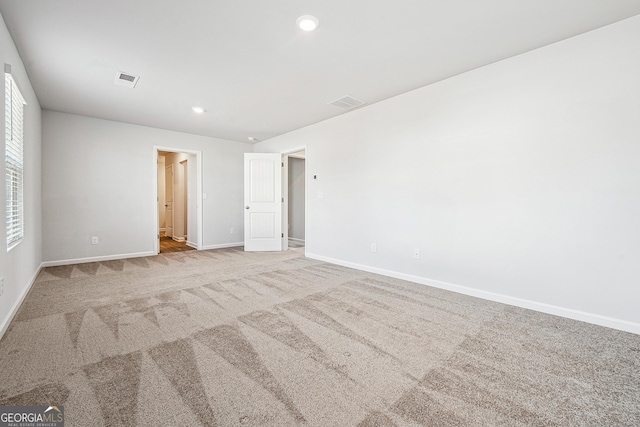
x=246, y=207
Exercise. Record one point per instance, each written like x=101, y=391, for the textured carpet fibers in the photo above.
x=231, y=338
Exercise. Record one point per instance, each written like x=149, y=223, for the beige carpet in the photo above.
x=231, y=338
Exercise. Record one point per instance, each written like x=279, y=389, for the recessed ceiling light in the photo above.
x=198, y=110
x=308, y=22
x=253, y=139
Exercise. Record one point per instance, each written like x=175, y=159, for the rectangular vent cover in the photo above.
x=346, y=102
x=125, y=79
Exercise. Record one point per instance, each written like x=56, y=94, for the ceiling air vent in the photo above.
x=347, y=102
x=124, y=79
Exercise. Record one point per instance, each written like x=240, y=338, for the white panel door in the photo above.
x=262, y=202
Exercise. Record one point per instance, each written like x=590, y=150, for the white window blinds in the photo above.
x=14, y=111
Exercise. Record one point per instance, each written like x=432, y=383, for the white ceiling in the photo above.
x=253, y=70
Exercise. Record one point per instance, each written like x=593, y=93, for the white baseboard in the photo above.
x=223, y=245
x=96, y=259
x=162, y=229
x=296, y=240
x=14, y=310
x=178, y=239
x=192, y=245
x=596, y=319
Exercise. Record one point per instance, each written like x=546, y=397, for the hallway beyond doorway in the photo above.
x=296, y=245
x=167, y=244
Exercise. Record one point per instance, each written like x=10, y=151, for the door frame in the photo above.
x=173, y=196
x=285, y=196
x=198, y=191
x=185, y=173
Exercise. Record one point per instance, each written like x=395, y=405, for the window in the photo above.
x=14, y=111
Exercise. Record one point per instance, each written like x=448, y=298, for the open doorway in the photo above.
x=294, y=198
x=178, y=212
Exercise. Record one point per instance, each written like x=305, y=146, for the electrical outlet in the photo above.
x=416, y=253
x=231, y=230
x=374, y=247
x=94, y=240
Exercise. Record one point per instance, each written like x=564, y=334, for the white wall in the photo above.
x=296, y=177
x=20, y=265
x=99, y=180
x=518, y=181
